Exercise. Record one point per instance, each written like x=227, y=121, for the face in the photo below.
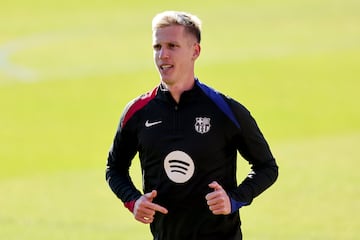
x=175, y=53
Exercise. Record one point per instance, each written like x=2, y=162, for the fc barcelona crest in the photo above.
x=202, y=124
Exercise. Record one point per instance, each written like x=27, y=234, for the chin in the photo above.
x=166, y=80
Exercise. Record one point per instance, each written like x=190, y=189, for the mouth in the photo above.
x=166, y=66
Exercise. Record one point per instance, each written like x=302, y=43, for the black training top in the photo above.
x=182, y=148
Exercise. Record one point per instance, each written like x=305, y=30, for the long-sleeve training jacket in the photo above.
x=182, y=148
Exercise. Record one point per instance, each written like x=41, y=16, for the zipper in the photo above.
x=176, y=118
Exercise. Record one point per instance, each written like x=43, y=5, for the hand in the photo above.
x=144, y=209
x=218, y=200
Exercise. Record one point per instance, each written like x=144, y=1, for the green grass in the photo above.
x=74, y=66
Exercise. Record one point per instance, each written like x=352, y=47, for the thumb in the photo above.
x=151, y=195
x=215, y=185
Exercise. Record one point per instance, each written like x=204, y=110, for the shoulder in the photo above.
x=231, y=107
x=236, y=106
x=136, y=104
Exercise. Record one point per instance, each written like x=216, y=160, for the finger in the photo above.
x=213, y=195
x=146, y=211
x=215, y=198
x=156, y=207
x=219, y=211
x=146, y=215
x=145, y=220
x=161, y=209
x=212, y=201
x=216, y=207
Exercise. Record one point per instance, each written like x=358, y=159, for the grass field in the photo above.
x=67, y=69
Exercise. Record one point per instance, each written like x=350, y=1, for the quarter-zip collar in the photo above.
x=187, y=96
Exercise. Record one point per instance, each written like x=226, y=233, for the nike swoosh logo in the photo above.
x=150, y=124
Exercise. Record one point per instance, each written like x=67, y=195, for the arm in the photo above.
x=117, y=176
x=122, y=152
x=255, y=149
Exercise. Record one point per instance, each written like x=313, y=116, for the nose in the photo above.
x=163, y=54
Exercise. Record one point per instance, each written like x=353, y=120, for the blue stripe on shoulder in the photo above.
x=219, y=101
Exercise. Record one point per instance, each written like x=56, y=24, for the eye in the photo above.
x=172, y=45
x=156, y=47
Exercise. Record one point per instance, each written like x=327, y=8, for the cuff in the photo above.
x=235, y=205
x=130, y=205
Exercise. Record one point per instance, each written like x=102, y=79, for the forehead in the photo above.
x=173, y=33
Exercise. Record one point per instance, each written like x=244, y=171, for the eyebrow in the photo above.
x=166, y=43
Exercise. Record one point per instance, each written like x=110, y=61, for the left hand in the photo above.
x=218, y=200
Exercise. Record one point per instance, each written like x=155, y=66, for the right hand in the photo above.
x=145, y=209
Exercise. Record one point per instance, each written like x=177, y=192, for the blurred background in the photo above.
x=68, y=68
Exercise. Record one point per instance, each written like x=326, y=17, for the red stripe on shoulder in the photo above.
x=138, y=104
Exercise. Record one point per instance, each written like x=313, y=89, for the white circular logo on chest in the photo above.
x=179, y=166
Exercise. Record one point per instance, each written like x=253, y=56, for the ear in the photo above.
x=197, y=50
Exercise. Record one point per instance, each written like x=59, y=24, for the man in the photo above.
x=187, y=136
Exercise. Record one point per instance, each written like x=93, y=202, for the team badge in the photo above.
x=202, y=124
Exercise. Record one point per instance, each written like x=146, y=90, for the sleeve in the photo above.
x=253, y=147
x=123, y=150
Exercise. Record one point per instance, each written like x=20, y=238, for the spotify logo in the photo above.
x=179, y=166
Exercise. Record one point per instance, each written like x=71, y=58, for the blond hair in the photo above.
x=191, y=22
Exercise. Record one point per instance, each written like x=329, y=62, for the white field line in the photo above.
x=23, y=73
x=11, y=69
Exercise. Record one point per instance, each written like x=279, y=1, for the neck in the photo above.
x=177, y=89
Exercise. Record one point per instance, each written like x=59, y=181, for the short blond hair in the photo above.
x=191, y=22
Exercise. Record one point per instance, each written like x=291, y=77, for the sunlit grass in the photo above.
x=74, y=66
